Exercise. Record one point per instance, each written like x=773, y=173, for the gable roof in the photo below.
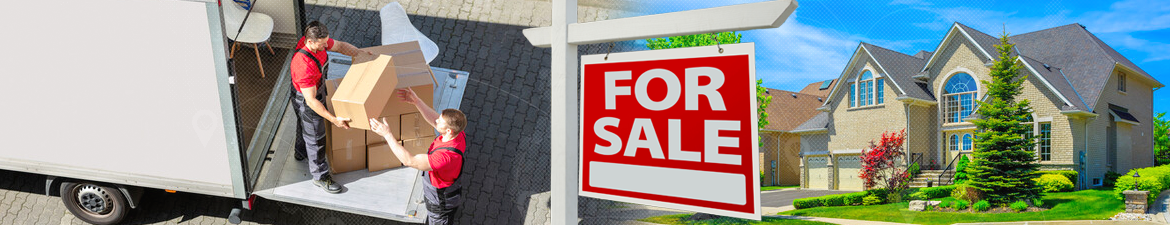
x=1055, y=80
x=900, y=68
x=820, y=122
x=789, y=109
x=1087, y=62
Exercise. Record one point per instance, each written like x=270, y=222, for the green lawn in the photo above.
x=1080, y=205
x=769, y=188
x=681, y=219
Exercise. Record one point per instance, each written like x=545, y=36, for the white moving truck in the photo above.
x=112, y=97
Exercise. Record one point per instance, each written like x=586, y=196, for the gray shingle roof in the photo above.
x=820, y=121
x=985, y=41
x=901, y=69
x=1086, y=61
x=1057, y=80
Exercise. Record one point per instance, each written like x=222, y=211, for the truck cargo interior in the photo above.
x=266, y=126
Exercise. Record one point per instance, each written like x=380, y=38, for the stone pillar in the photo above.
x=1136, y=201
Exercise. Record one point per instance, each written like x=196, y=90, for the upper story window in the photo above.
x=959, y=95
x=1121, y=82
x=866, y=90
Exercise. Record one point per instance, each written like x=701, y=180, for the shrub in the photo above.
x=1070, y=174
x=871, y=200
x=944, y=204
x=982, y=205
x=961, y=169
x=919, y=196
x=967, y=192
x=1019, y=206
x=855, y=198
x=833, y=200
x=1054, y=183
x=938, y=192
x=961, y=204
x=880, y=193
x=1037, y=202
x=914, y=169
x=804, y=203
x=1154, y=179
x=1111, y=178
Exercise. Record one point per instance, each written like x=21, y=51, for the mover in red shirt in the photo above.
x=307, y=71
x=444, y=159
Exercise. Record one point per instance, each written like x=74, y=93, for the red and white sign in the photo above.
x=673, y=128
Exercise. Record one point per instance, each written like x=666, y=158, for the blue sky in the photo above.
x=815, y=43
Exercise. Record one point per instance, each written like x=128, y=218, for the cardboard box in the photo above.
x=381, y=157
x=346, y=148
x=372, y=80
x=394, y=110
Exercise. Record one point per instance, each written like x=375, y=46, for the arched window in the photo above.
x=967, y=142
x=959, y=95
x=865, y=91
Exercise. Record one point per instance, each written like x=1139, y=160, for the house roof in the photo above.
x=1086, y=62
x=817, y=122
x=789, y=109
x=816, y=88
x=900, y=69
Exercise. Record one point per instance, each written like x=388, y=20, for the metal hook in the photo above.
x=715, y=36
x=610, y=50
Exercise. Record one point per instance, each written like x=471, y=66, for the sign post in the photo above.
x=565, y=34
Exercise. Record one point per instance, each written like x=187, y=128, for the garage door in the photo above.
x=818, y=172
x=848, y=168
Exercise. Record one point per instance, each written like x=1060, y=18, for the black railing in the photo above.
x=944, y=172
x=916, y=158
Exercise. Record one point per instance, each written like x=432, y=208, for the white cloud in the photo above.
x=798, y=54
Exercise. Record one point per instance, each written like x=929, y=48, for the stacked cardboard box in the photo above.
x=346, y=148
x=370, y=91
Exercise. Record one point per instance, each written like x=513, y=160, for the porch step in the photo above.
x=921, y=179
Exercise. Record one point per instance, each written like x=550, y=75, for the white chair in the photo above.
x=256, y=30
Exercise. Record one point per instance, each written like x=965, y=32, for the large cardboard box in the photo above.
x=381, y=157
x=394, y=110
x=372, y=80
x=346, y=148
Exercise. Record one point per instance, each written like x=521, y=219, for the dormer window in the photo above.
x=866, y=90
x=959, y=95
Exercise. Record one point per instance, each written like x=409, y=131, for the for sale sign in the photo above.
x=672, y=128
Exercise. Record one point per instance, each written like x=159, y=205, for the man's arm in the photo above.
x=319, y=108
x=347, y=49
x=419, y=161
x=429, y=114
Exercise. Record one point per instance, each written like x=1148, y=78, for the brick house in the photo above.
x=1092, y=106
x=780, y=148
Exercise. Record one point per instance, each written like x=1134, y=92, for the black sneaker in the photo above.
x=328, y=184
x=299, y=156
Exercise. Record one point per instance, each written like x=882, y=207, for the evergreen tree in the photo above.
x=1004, y=163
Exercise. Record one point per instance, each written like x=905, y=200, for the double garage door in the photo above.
x=847, y=169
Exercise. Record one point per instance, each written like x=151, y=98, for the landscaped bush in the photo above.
x=880, y=193
x=856, y=198
x=961, y=170
x=918, y=196
x=1054, y=183
x=914, y=169
x=944, y=204
x=1070, y=174
x=871, y=200
x=1019, y=206
x=937, y=192
x=967, y=192
x=961, y=204
x=982, y=205
x=1037, y=202
x=1111, y=178
x=1154, y=179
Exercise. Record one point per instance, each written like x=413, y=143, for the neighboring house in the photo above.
x=780, y=149
x=1092, y=106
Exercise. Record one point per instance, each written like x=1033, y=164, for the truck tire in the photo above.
x=94, y=203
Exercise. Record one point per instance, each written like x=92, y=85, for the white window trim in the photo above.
x=941, y=86
x=857, y=82
x=1122, y=84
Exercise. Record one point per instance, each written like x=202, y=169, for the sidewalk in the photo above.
x=838, y=221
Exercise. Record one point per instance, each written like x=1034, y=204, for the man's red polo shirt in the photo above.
x=304, y=69
x=446, y=165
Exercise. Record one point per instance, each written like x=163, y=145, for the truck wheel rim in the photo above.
x=94, y=200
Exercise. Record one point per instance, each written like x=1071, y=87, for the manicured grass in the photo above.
x=681, y=219
x=1080, y=205
x=769, y=188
